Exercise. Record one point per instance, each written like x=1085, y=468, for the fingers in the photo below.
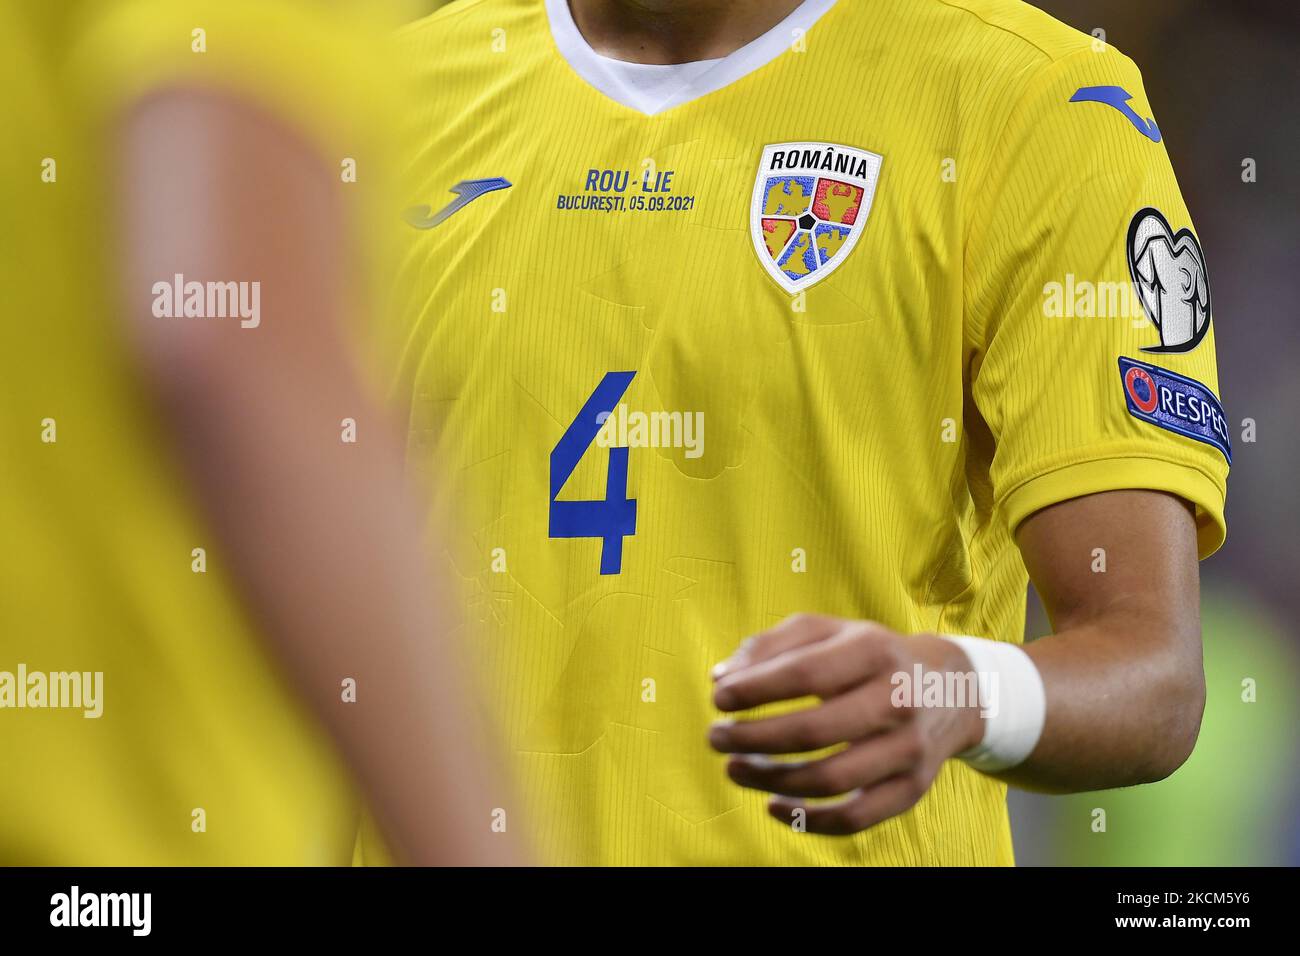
x=856, y=812
x=823, y=668
x=859, y=767
x=795, y=631
x=861, y=712
x=887, y=766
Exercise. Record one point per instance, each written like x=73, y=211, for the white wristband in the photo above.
x=1012, y=703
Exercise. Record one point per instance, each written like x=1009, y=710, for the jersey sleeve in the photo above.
x=1088, y=304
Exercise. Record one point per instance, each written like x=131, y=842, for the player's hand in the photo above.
x=893, y=753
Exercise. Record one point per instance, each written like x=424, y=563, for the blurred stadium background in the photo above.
x=1222, y=79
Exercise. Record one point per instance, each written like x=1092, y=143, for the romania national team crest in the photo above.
x=810, y=206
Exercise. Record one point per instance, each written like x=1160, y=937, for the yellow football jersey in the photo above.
x=165, y=735
x=811, y=328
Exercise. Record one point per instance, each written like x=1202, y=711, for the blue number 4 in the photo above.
x=614, y=517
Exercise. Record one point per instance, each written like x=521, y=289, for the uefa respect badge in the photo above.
x=1175, y=403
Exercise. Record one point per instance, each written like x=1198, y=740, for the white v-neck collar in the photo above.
x=696, y=79
x=647, y=86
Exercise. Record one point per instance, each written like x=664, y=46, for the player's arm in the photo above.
x=322, y=536
x=1122, y=671
x=1078, y=410
x=1121, y=674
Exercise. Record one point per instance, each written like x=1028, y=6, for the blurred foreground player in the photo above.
x=133, y=160
x=725, y=311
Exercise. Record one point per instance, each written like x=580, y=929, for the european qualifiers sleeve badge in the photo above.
x=810, y=205
x=1168, y=272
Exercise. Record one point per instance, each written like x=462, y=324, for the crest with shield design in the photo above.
x=809, y=209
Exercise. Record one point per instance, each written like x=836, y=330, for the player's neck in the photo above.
x=675, y=31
